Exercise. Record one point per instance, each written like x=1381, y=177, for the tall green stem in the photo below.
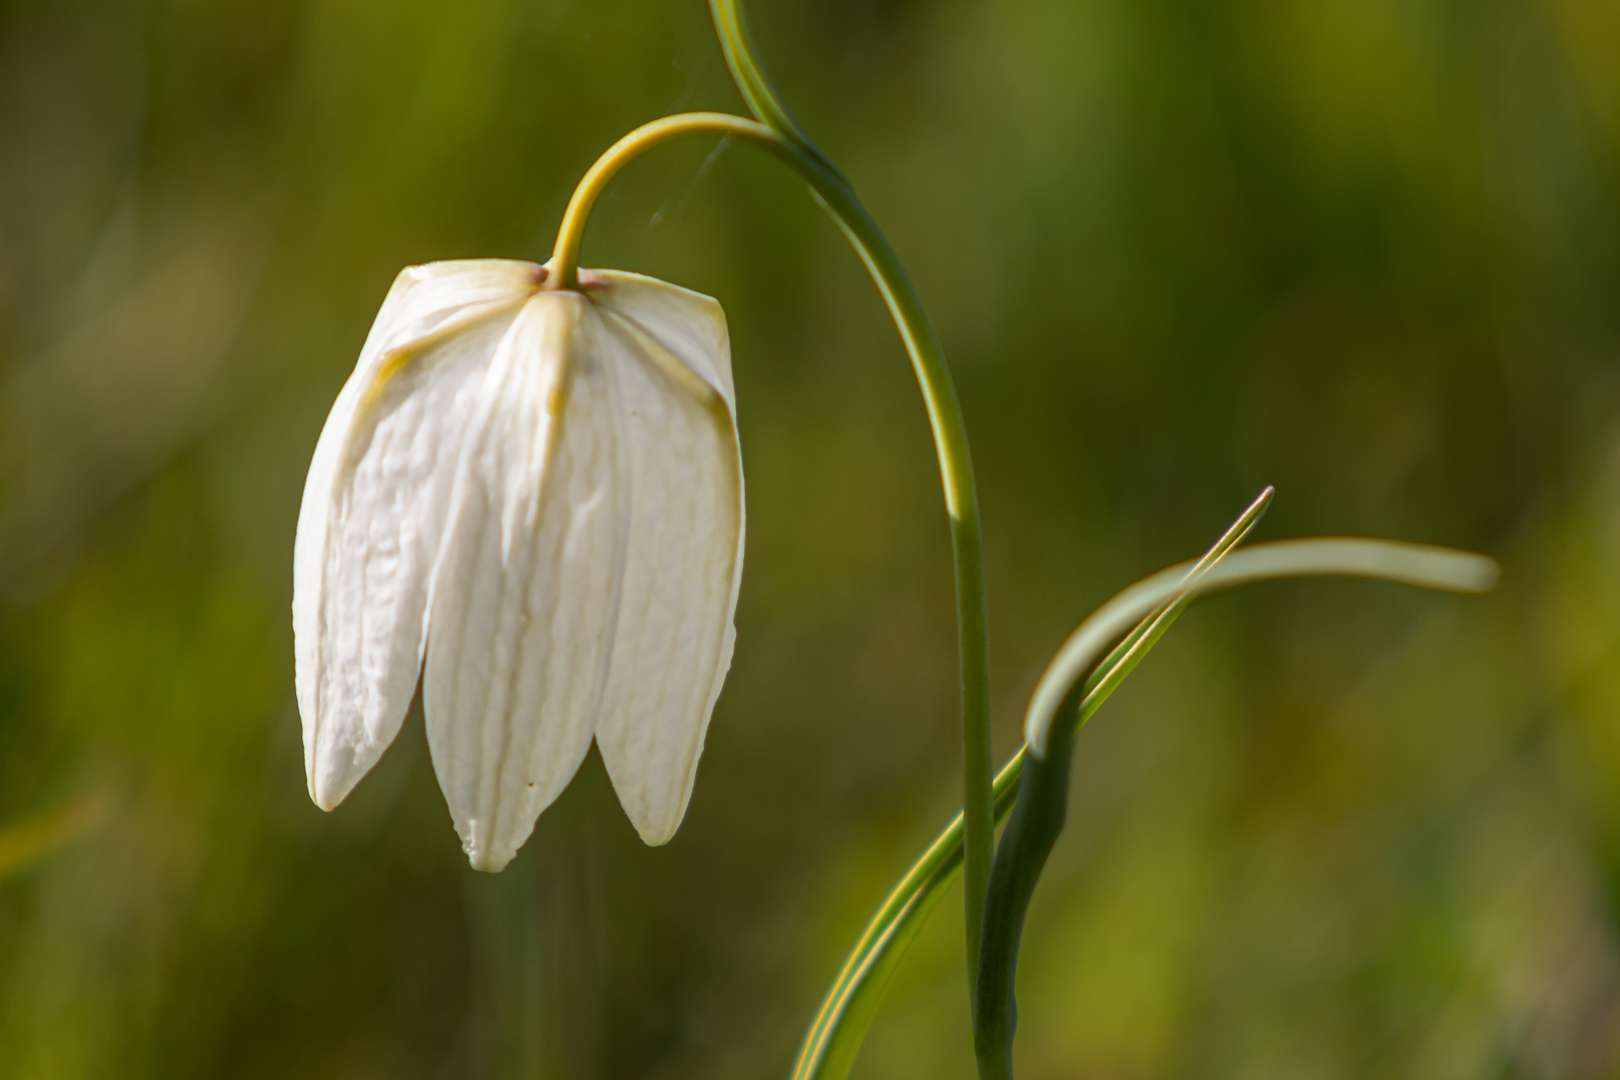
x=950, y=443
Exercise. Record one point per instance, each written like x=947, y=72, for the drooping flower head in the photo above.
x=539, y=492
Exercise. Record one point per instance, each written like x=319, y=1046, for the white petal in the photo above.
x=423, y=297
x=690, y=325
x=670, y=358
x=371, y=520
x=527, y=588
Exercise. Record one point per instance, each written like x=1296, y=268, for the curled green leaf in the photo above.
x=835, y=1036
x=1039, y=815
x=1387, y=560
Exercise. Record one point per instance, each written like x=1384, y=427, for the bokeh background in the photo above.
x=1365, y=250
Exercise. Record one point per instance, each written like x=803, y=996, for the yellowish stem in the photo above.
x=565, y=255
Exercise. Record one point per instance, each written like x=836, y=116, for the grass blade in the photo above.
x=1039, y=815
x=835, y=1035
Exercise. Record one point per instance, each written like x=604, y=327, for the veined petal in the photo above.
x=688, y=324
x=670, y=359
x=423, y=297
x=527, y=586
x=373, y=509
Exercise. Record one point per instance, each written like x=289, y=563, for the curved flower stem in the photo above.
x=564, y=265
x=967, y=546
x=950, y=443
x=944, y=414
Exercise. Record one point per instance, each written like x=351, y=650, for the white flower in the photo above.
x=541, y=491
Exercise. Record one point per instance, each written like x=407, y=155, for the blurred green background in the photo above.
x=1365, y=250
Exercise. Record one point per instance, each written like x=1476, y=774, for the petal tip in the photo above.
x=656, y=826
x=488, y=862
x=486, y=853
x=335, y=772
x=327, y=791
x=658, y=837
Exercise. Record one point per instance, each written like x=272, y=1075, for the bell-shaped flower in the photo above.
x=539, y=492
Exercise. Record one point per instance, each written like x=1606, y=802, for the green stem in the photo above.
x=738, y=46
x=967, y=544
x=944, y=414
x=950, y=444
x=1036, y=822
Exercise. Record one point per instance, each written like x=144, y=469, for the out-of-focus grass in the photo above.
x=1327, y=830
